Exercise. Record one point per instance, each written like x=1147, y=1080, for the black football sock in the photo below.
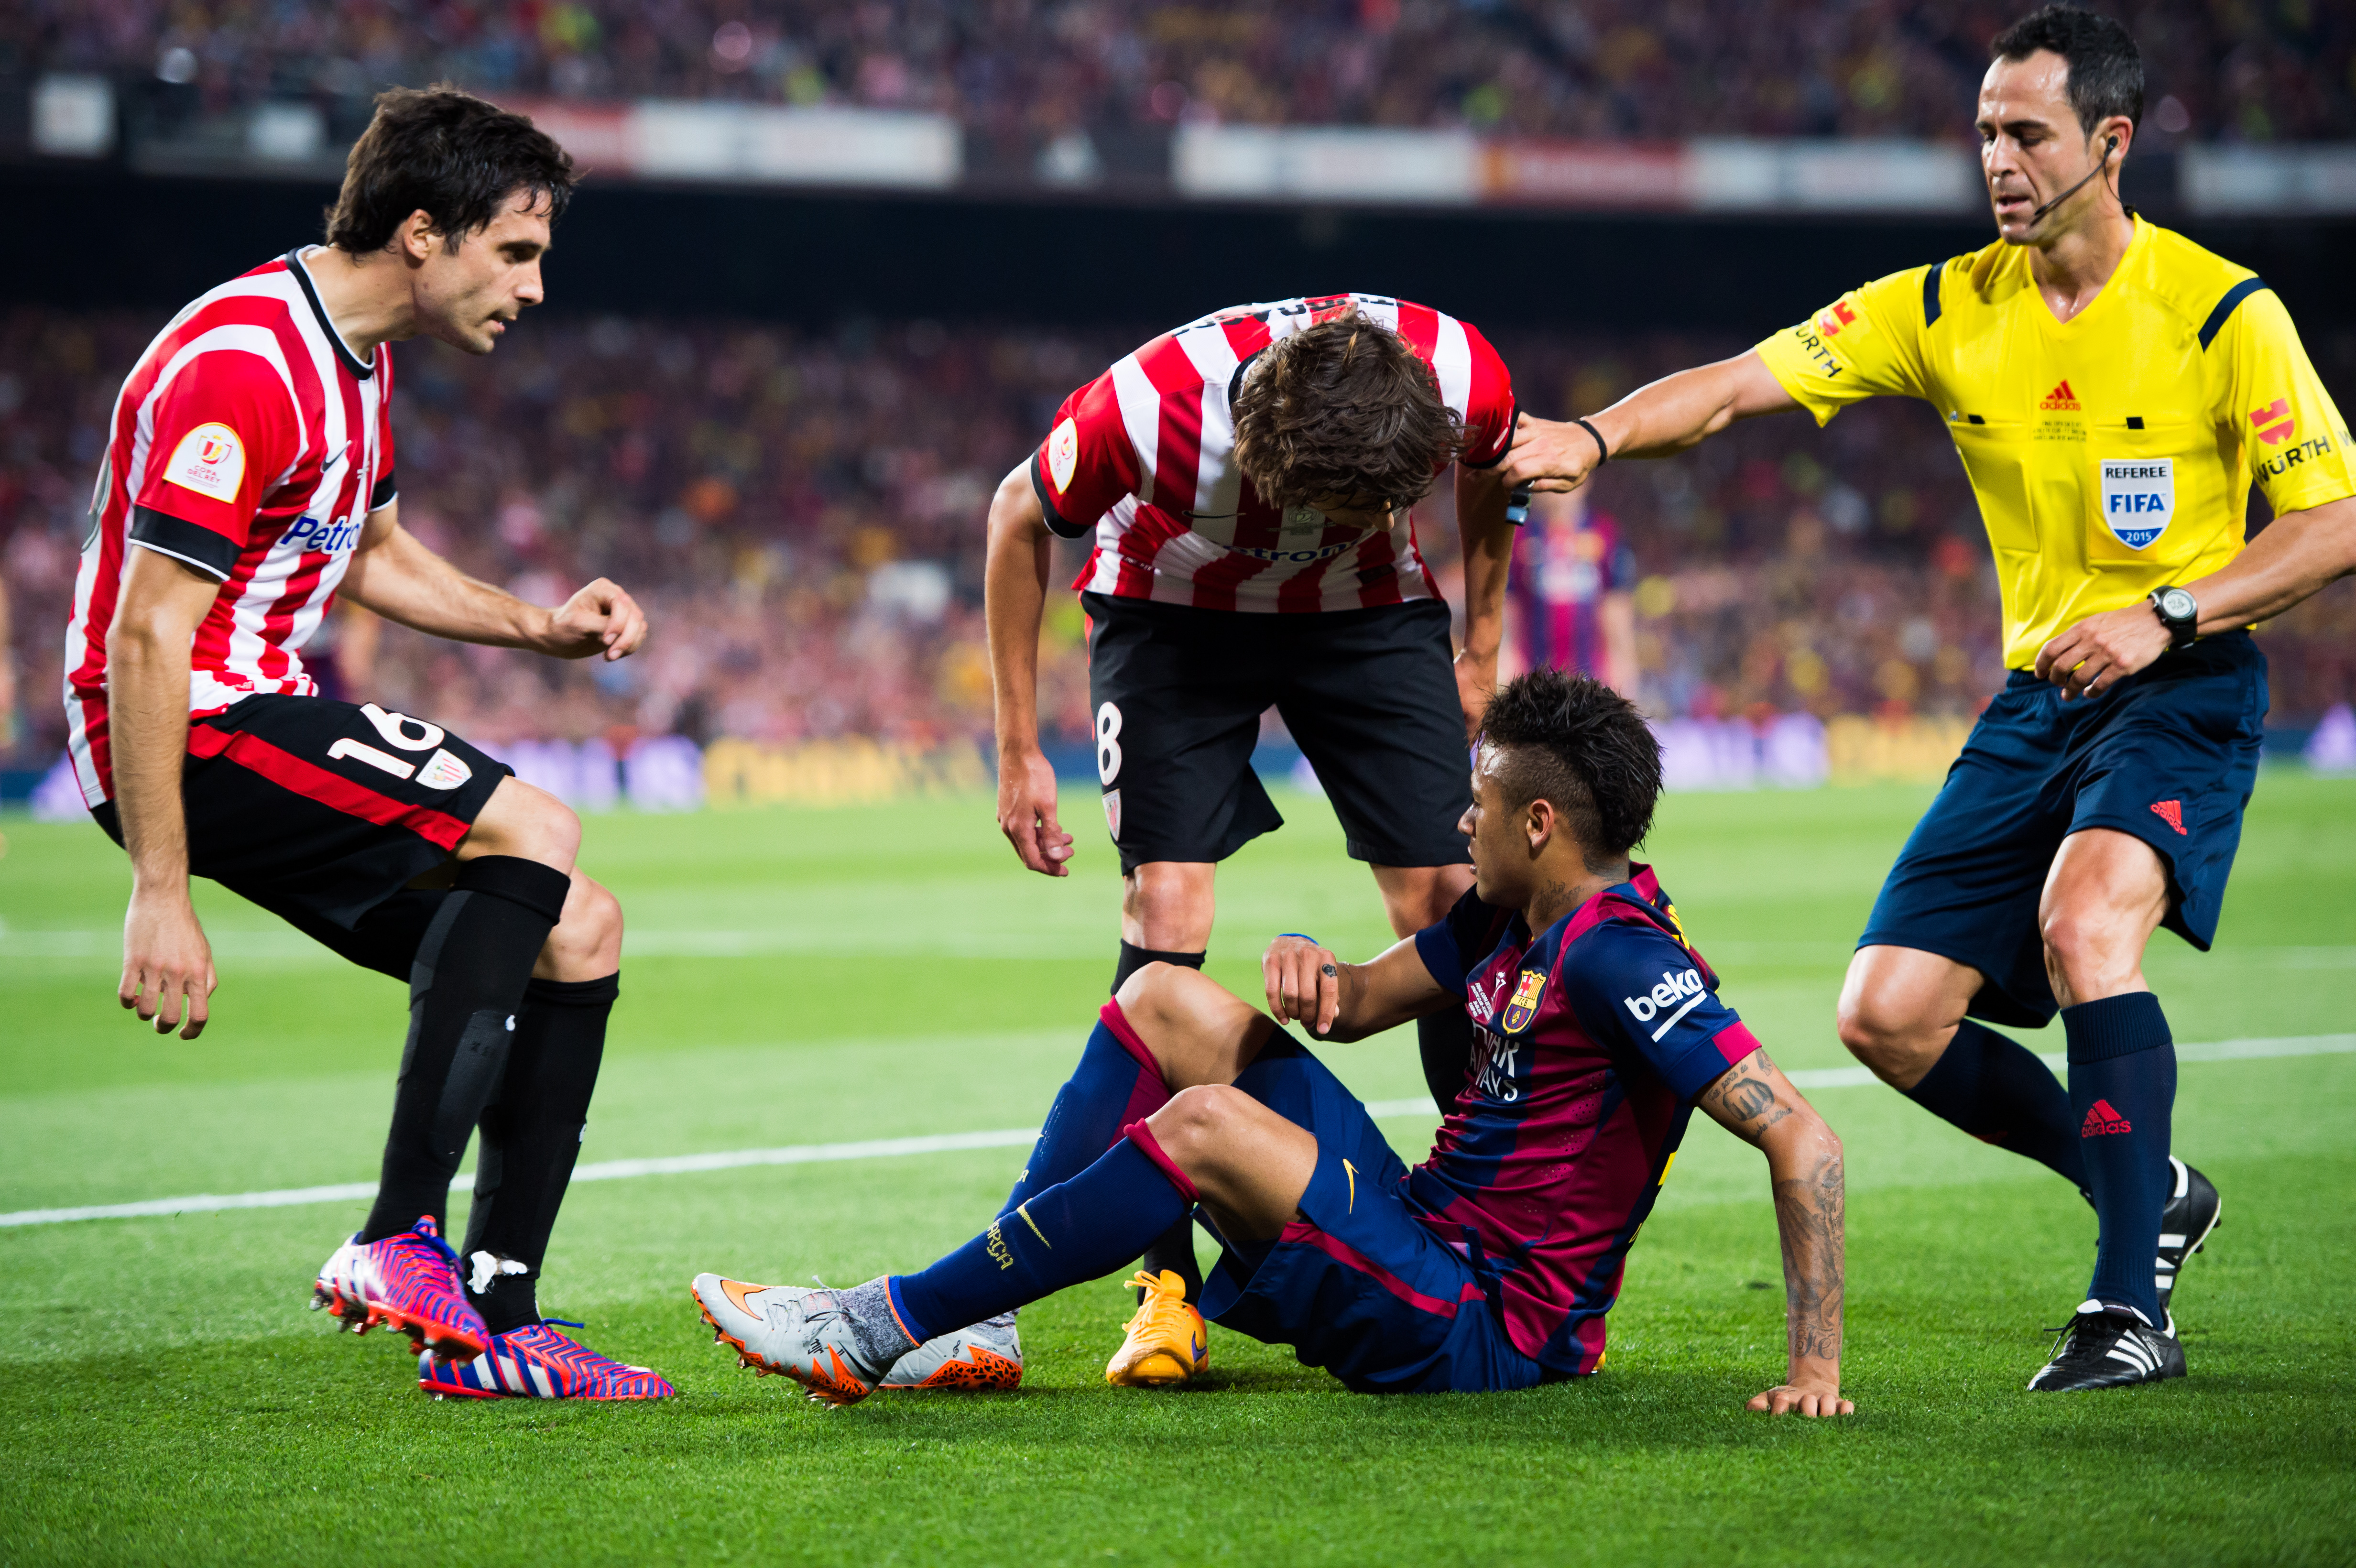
x=530, y=1135
x=1445, y=1041
x=2122, y=1088
x=463, y=989
x=1132, y=959
x=1994, y=1088
x=1174, y=1250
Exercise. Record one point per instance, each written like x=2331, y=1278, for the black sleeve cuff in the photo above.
x=1056, y=524
x=168, y=534
x=382, y=496
x=1513, y=416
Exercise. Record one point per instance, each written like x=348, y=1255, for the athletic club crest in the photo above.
x=1525, y=1005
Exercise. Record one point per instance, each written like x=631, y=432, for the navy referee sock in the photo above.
x=1994, y=1089
x=2123, y=1089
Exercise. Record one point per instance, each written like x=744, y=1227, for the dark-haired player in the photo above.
x=247, y=481
x=1492, y=1265
x=2112, y=390
x=1246, y=481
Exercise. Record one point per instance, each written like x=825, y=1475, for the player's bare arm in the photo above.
x=167, y=965
x=1488, y=548
x=1014, y=595
x=1654, y=421
x=395, y=575
x=1308, y=985
x=2297, y=555
x=1757, y=1103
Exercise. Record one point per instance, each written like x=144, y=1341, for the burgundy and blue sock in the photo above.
x=1117, y=1082
x=1994, y=1088
x=1074, y=1232
x=2123, y=1089
x=1173, y=1251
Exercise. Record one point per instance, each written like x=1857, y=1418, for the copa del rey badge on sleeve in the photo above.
x=2138, y=498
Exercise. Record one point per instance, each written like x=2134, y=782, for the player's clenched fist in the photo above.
x=1305, y=983
x=600, y=619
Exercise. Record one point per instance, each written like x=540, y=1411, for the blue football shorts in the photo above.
x=2169, y=755
x=1365, y=1288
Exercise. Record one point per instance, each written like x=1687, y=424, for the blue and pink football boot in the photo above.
x=410, y=1280
x=535, y=1362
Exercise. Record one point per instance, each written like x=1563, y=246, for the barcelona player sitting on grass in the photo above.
x=1492, y=1265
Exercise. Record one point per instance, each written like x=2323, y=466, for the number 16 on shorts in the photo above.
x=1108, y=764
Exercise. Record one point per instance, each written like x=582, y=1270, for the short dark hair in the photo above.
x=1344, y=408
x=1572, y=740
x=2106, y=68
x=446, y=152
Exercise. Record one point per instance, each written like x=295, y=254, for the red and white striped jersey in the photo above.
x=1144, y=456
x=251, y=442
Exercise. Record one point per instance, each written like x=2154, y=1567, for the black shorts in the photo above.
x=2169, y=755
x=302, y=805
x=1369, y=695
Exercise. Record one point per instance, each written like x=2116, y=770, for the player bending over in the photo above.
x=1491, y=1265
x=249, y=479
x=2112, y=390
x=1246, y=481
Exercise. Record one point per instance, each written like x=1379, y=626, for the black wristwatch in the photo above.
x=2179, y=612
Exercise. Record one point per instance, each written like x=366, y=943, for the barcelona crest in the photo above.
x=1525, y=1005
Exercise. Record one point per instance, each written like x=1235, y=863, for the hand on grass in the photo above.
x=1814, y=1397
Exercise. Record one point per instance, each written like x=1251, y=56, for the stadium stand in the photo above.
x=801, y=511
x=1017, y=72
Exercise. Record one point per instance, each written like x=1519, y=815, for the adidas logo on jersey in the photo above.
x=2102, y=1119
x=2060, y=398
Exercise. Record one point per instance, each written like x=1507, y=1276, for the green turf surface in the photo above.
x=806, y=977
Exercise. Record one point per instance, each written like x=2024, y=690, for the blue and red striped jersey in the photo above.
x=1562, y=569
x=1592, y=1041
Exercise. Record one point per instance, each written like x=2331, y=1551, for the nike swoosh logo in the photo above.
x=736, y=1291
x=1024, y=1210
x=1352, y=1172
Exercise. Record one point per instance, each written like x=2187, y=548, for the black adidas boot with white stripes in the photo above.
x=2110, y=1347
x=2191, y=1214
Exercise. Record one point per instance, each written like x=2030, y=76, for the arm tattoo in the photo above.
x=1744, y=1099
x=1809, y=1217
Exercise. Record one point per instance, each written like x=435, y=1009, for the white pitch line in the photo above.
x=1002, y=1137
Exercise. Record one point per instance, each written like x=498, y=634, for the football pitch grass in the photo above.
x=811, y=977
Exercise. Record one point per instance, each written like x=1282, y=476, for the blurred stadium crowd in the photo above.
x=802, y=514
x=2254, y=71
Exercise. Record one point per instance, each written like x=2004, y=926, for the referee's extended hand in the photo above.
x=1548, y=456
x=1026, y=812
x=1303, y=984
x=2102, y=650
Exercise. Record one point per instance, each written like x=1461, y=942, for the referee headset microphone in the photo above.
x=2109, y=147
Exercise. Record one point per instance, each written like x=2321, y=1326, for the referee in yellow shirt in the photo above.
x=2112, y=390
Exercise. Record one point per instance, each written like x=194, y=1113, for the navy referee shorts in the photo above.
x=2169, y=755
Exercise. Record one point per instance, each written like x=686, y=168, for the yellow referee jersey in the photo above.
x=2112, y=453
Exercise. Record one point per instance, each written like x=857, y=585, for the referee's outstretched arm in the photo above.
x=1670, y=415
x=2298, y=554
